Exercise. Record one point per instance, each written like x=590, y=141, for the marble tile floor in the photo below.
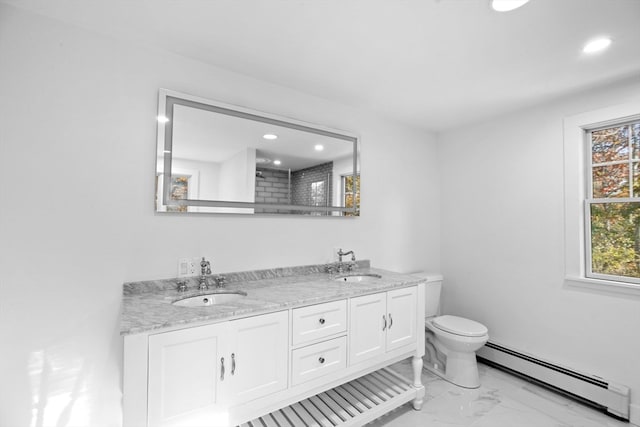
x=503, y=400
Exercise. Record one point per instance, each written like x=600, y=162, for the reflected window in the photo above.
x=318, y=194
x=351, y=191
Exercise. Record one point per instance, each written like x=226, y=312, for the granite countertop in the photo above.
x=148, y=305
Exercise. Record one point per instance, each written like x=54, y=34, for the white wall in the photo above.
x=502, y=243
x=238, y=177
x=77, y=166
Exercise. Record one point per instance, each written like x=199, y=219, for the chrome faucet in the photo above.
x=350, y=265
x=205, y=269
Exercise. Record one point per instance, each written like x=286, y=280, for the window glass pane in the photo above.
x=317, y=193
x=609, y=145
x=636, y=179
x=635, y=140
x=352, y=198
x=611, y=181
x=615, y=239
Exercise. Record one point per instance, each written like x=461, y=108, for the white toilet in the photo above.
x=451, y=341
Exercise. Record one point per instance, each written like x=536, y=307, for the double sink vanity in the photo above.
x=288, y=346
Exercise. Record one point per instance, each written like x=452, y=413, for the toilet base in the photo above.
x=463, y=374
x=462, y=369
x=456, y=367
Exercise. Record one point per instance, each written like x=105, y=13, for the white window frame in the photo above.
x=576, y=178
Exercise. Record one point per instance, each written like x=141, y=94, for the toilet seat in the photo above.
x=460, y=326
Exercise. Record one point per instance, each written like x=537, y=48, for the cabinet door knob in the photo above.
x=233, y=363
x=384, y=326
x=222, y=369
x=321, y=321
x=390, y=321
x=321, y=360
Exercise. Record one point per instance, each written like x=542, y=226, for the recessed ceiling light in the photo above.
x=163, y=119
x=277, y=162
x=597, y=45
x=270, y=136
x=319, y=147
x=507, y=5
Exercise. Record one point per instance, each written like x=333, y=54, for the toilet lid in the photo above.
x=460, y=326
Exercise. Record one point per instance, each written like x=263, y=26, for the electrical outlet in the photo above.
x=187, y=267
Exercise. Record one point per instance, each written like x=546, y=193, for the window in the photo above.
x=351, y=193
x=602, y=199
x=612, y=206
x=317, y=194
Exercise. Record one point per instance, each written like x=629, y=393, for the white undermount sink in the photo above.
x=358, y=278
x=210, y=299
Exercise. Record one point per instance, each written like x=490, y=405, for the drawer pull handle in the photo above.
x=321, y=360
x=233, y=363
x=390, y=321
x=384, y=326
x=321, y=321
x=222, y=369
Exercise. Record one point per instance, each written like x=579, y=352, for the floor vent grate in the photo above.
x=352, y=404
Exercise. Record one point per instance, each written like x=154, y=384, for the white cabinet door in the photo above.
x=258, y=356
x=184, y=386
x=367, y=327
x=401, y=315
x=382, y=322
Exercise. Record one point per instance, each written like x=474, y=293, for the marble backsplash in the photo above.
x=147, y=286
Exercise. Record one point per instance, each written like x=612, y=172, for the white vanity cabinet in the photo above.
x=195, y=373
x=381, y=323
x=328, y=356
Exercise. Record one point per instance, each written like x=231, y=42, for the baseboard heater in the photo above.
x=612, y=398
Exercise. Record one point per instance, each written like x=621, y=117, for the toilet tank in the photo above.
x=432, y=293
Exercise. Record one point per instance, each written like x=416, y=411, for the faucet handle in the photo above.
x=221, y=281
x=330, y=268
x=182, y=286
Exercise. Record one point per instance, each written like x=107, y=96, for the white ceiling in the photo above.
x=434, y=64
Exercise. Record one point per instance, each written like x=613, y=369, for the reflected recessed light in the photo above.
x=270, y=136
x=277, y=162
x=597, y=45
x=163, y=119
x=319, y=147
x=507, y=5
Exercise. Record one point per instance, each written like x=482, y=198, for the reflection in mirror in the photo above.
x=218, y=158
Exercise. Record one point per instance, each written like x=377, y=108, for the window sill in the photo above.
x=602, y=286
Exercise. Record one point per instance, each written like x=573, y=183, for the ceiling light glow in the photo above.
x=319, y=147
x=277, y=162
x=270, y=136
x=597, y=45
x=507, y=5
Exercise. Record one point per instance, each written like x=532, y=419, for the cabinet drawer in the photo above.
x=319, y=321
x=316, y=360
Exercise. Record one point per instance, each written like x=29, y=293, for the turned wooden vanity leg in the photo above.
x=416, y=362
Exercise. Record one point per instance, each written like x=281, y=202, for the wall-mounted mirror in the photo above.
x=220, y=158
